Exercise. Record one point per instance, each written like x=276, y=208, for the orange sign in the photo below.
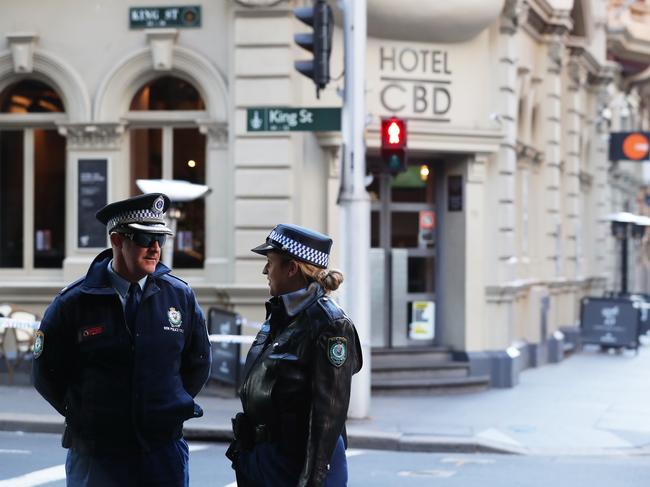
x=635, y=146
x=631, y=146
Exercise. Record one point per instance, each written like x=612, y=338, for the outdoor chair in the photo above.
x=23, y=337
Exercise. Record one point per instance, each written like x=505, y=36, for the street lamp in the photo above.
x=624, y=225
x=179, y=192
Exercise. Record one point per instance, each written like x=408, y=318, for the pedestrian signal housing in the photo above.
x=393, y=144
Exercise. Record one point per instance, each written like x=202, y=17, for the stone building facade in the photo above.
x=508, y=102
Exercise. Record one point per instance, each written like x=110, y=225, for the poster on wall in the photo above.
x=455, y=193
x=422, y=323
x=92, y=194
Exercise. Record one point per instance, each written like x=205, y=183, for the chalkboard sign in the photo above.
x=225, y=356
x=90, y=198
x=609, y=322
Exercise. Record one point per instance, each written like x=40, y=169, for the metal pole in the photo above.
x=624, y=262
x=354, y=200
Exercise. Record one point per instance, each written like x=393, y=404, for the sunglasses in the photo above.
x=146, y=240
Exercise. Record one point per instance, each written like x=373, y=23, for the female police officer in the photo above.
x=297, y=376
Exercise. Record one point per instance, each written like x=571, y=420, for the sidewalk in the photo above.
x=590, y=404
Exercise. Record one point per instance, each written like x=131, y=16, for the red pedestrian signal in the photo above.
x=393, y=144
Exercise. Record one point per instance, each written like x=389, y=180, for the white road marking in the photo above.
x=442, y=474
x=38, y=477
x=353, y=452
x=459, y=462
x=18, y=452
x=52, y=474
x=198, y=446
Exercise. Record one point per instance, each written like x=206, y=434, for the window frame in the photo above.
x=167, y=121
x=27, y=123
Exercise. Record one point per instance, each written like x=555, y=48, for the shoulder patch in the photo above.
x=337, y=350
x=39, y=343
x=72, y=285
x=333, y=310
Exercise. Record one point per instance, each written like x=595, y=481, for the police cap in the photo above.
x=142, y=213
x=299, y=242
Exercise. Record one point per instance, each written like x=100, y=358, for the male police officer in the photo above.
x=121, y=353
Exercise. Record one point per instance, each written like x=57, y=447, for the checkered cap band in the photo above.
x=299, y=250
x=135, y=216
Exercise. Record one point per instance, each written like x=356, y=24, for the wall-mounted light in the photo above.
x=424, y=172
x=191, y=163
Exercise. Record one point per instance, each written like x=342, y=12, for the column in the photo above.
x=575, y=115
x=218, y=204
x=552, y=138
x=507, y=157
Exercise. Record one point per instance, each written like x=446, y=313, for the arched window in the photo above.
x=32, y=177
x=30, y=96
x=170, y=146
x=167, y=93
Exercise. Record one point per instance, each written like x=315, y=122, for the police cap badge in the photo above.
x=144, y=213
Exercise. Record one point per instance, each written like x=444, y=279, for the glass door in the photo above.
x=403, y=239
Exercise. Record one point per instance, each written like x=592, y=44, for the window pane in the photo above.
x=146, y=155
x=49, y=198
x=167, y=93
x=405, y=229
x=11, y=198
x=421, y=277
x=30, y=96
x=189, y=165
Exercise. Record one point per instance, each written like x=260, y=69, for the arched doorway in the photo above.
x=166, y=143
x=32, y=176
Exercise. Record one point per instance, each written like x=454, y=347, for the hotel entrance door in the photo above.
x=403, y=258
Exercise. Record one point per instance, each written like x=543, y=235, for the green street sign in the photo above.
x=280, y=119
x=148, y=17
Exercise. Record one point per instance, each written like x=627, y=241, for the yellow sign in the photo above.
x=422, y=326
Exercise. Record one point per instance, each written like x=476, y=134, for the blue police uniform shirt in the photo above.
x=121, y=285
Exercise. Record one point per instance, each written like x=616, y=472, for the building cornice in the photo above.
x=92, y=135
x=546, y=21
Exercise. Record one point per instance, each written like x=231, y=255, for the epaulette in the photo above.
x=177, y=278
x=71, y=285
x=333, y=310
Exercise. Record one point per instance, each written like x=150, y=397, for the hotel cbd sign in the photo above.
x=415, y=82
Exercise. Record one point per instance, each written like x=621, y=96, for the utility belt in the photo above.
x=247, y=434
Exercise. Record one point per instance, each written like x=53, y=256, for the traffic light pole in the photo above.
x=354, y=200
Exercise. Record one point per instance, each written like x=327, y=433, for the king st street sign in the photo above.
x=278, y=119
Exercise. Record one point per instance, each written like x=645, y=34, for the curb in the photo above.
x=357, y=439
x=377, y=440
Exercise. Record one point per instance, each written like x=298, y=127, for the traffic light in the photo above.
x=393, y=144
x=318, y=42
